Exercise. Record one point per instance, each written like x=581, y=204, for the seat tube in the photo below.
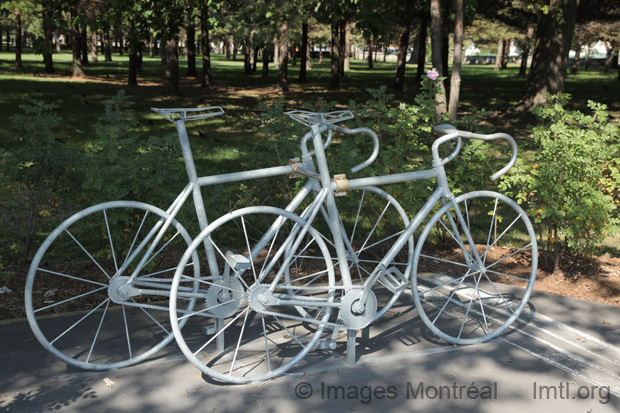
x=333, y=220
x=199, y=205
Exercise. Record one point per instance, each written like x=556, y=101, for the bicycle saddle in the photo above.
x=187, y=114
x=317, y=118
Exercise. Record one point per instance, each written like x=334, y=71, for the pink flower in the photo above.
x=432, y=74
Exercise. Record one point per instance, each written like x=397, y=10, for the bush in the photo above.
x=569, y=188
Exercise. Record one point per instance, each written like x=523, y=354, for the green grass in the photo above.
x=221, y=144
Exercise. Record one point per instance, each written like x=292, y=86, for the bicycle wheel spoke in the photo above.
x=247, y=243
x=380, y=242
x=222, y=330
x=227, y=263
x=508, y=256
x=459, y=243
x=506, y=275
x=490, y=231
x=105, y=311
x=80, y=320
x=293, y=336
x=211, y=283
x=70, y=299
x=135, y=238
x=449, y=300
x=357, y=216
x=266, y=342
x=431, y=257
x=502, y=234
x=87, y=253
x=150, y=316
x=107, y=225
x=127, y=332
x=375, y=226
x=161, y=249
x=71, y=276
x=232, y=365
x=501, y=296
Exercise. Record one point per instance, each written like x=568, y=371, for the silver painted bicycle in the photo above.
x=262, y=290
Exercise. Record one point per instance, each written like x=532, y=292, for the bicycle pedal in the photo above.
x=394, y=280
x=209, y=330
x=237, y=261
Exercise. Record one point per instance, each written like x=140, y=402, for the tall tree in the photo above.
x=403, y=44
x=436, y=54
x=304, y=51
x=525, y=46
x=550, y=59
x=76, y=48
x=46, y=44
x=422, y=47
x=335, y=56
x=190, y=32
x=18, y=39
x=283, y=57
x=455, y=79
x=206, y=78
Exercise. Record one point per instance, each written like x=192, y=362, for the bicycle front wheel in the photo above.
x=474, y=267
x=78, y=300
x=248, y=326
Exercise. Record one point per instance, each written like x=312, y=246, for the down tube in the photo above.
x=413, y=225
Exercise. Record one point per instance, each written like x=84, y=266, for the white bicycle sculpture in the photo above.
x=260, y=287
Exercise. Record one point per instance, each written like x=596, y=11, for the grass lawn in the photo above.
x=239, y=94
x=221, y=144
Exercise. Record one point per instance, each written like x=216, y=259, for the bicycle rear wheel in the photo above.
x=74, y=295
x=468, y=293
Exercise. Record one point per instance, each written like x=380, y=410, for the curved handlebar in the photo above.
x=330, y=128
x=452, y=133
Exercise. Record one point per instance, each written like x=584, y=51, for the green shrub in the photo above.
x=569, y=188
x=120, y=164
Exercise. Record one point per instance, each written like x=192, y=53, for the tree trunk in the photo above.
x=575, y=69
x=436, y=54
x=235, y=49
x=526, y=50
x=265, y=69
x=422, y=48
x=255, y=51
x=403, y=45
x=455, y=79
x=385, y=50
x=140, y=56
x=335, y=57
x=608, y=51
x=342, y=45
x=347, y=46
x=171, y=79
x=206, y=79
x=191, y=48
x=47, y=30
x=283, y=58
x=18, y=40
x=84, y=44
x=133, y=57
x=370, y=63
x=550, y=58
x=499, y=54
x=247, y=59
x=107, y=45
x=75, y=43
x=8, y=40
x=505, y=51
x=227, y=49
x=94, y=57
x=58, y=45
x=304, y=51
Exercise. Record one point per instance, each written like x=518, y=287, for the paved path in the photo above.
x=562, y=355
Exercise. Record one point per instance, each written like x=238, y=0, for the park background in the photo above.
x=78, y=79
